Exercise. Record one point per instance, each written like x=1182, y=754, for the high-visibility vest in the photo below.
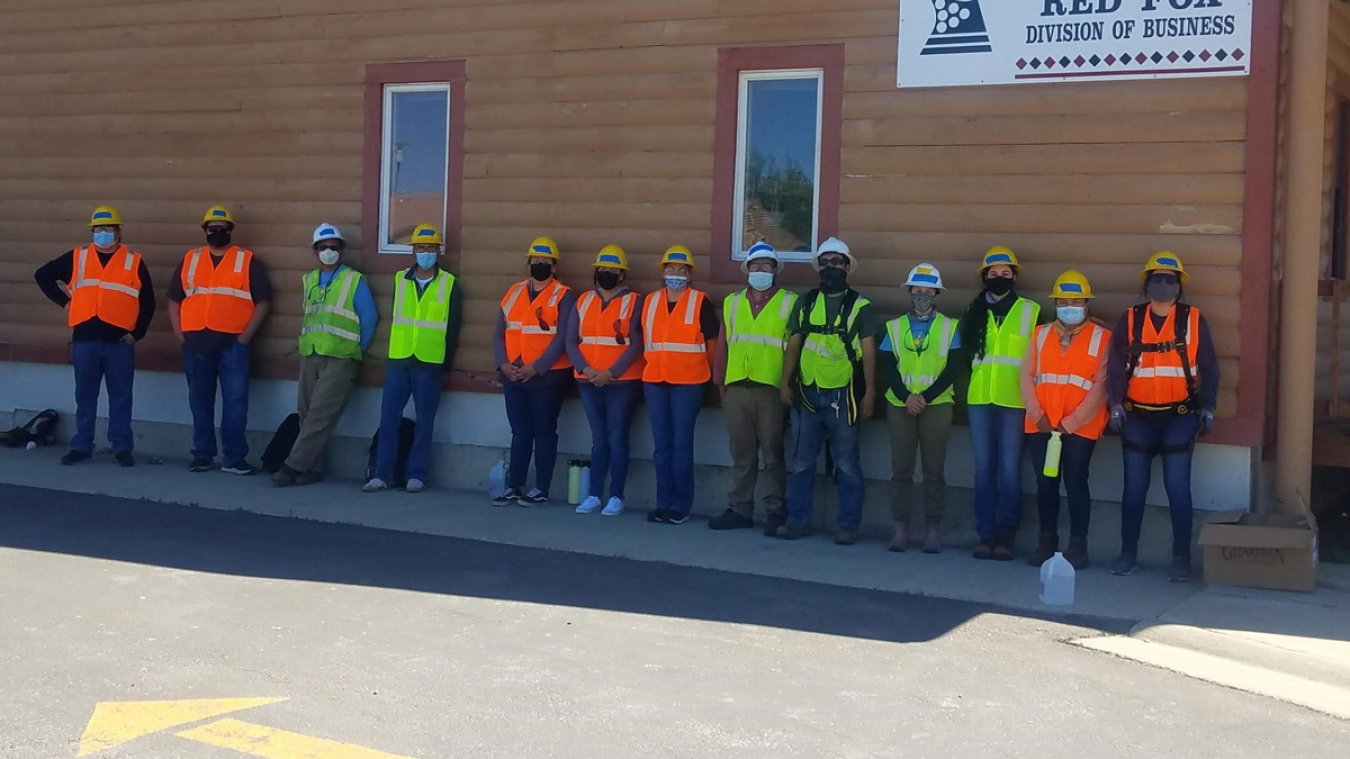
x=420, y=322
x=110, y=293
x=331, y=326
x=532, y=323
x=1159, y=377
x=217, y=297
x=605, y=332
x=1064, y=377
x=676, y=348
x=826, y=361
x=756, y=345
x=921, y=361
x=995, y=377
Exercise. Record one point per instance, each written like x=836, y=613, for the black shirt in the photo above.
x=208, y=340
x=708, y=323
x=62, y=269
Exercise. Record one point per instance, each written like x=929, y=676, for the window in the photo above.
x=777, y=162
x=416, y=145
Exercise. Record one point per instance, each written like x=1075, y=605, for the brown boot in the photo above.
x=1077, y=553
x=984, y=551
x=933, y=542
x=1045, y=549
x=900, y=541
x=1003, y=543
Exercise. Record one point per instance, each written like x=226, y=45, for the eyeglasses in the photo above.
x=330, y=247
x=832, y=263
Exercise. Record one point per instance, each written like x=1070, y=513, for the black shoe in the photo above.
x=507, y=498
x=791, y=531
x=1181, y=569
x=1125, y=565
x=1076, y=553
x=675, y=517
x=535, y=497
x=284, y=477
x=307, y=478
x=776, y=519
x=124, y=458
x=658, y=516
x=984, y=551
x=201, y=465
x=75, y=457
x=730, y=520
x=240, y=467
x=1003, y=543
x=846, y=536
x=1045, y=550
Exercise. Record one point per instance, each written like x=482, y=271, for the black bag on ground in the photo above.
x=41, y=429
x=406, y=429
x=280, y=446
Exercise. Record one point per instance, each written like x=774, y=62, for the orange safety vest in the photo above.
x=531, y=324
x=218, y=297
x=677, y=349
x=1158, y=375
x=605, y=332
x=110, y=293
x=1064, y=378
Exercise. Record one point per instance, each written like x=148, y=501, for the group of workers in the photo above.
x=817, y=361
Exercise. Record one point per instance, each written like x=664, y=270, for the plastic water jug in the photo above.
x=1057, y=580
x=585, y=481
x=497, y=478
x=574, y=482
x=1052, y=454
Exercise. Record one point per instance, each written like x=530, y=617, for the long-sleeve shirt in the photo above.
x=1207, y=358
x=758, y=302
x=452, y=323
x=62, y=269
x=890, y=362
x=364, y=303
x=209, y=340
x=567, y=311
x=1091, y=405
x=630, y=353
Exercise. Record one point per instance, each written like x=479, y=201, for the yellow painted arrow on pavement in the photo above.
x=116, y=722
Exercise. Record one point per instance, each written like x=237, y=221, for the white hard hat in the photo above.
x=759, y=250
x=925, y=275
x=834, y=245
x=326, y=232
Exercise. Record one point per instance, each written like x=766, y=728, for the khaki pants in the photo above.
x=928, y=432
x=756, y=422
x=325, y=385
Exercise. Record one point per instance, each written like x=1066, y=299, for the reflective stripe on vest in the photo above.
x=1064, y=376
x=109, y=293
x=1160, y=378
x=528, y=335
x=676, y=348
x=920, y=367
x=604, y=335
x=331, y=326
x=420, y=323
x=825, y=362
x=219, y=299
x=757, y=345
x=995, y=377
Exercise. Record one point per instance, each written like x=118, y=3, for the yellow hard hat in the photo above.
x=612, y=257
x=1072, y=284
x=678, y=254
x=1165, y=261
x=217, y=213
x=997, y=255
x=543, y=247
x=425, y=234
x=105, y=216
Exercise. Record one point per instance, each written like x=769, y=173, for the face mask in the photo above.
x=677, y=283
x=329, y=256
x=607, y=280
x=761, y=280
x=105, y=239
x=541, y=271
x=833, y=280
x=999, y=285
x=1163, y=292
x=923, y=302
x=218, y=238
x=427, y=259
x=1071, y=315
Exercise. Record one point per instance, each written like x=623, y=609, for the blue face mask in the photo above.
x=1071, y=315
x=105, y=239
x=427, y=260
x=677, y=283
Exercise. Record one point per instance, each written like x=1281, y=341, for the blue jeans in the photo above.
x=230, y=368
x=1149, y=434
x=809, y=432
x=97, y=364
x=673, y=410
x=423, y=385
x=609, y=409
x=1075, y=462
x=532, y=409
x=997, y=435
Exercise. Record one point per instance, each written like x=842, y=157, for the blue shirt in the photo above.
x=920, y=331
x=366, y=313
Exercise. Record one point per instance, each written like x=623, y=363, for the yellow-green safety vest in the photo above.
x=919, y=366
x=995, y=377
x=756, y=344
x=825, y=359
x=420, y=323
x=331, y=326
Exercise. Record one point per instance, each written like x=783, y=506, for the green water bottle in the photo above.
x=1052, y=452
x=574, y=482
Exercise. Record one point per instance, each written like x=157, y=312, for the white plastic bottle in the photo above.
x=497, y=479
x=1057, y=581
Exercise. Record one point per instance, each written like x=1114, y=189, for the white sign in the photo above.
x=951, y=43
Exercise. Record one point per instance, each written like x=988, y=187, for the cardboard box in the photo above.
x=1274, y=551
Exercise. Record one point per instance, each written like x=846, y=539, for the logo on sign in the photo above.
x=958, y=28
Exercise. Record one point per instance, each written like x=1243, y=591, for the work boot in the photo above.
x=1045, y=550
x=791, y=531
x=1125, y=565
x=75, y=457
x=932, y=543
x=284, y=477
x=1003, y=543
x=900, y=541
x=845, y=536
x=1077, y=553
x=730, y=520
x=1181, y=569
x=775, y=520
x=984, y=551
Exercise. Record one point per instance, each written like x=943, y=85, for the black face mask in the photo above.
x=607, y=280
x=218, y=238
x=541, y=271
x=999, y=285
x=1163, y=291
x=833, y=280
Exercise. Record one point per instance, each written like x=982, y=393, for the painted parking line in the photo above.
x=271, y=743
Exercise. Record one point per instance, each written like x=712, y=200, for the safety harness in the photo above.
x=1137, y=348
x=839, y=328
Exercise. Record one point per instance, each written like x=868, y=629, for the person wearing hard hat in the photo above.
x=1162, y=389
x=829, y=381
x=338, y=325
x=109, y=301
x=604, y=342
x=915, y=355
x=996, y=332
x=423, y=337
x=1064, y=386
x=680, y=329
x=749, y=372
x=531, y=355
x=218, y=298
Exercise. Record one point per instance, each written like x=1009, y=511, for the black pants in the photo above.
x=1074, y=463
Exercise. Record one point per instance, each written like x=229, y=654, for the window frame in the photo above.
x=745, y=78
x=388, y=92
x=1338, y=265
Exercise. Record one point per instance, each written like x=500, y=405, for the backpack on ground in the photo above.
x=406, y=429
x=41, y=429
x=283, y=440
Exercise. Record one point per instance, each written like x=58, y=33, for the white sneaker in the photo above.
x=613, y=508
x=374, y=486
x=589, y=506
x=415, y=486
